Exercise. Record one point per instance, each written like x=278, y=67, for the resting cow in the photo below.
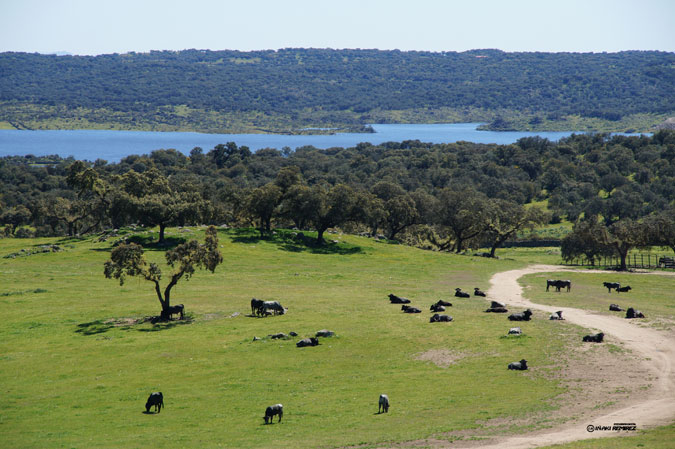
x=556, y=316
x=436, y=318
x=515, y=331
x=497, y=310
x=460, y=294
x=409, y=309
x=156, y=399
x=477, y=292
x=440, y=302
x=632, y=313
x=437, y=308
x=383, y=404
x=595, y=338
x=272, y=410
x=522, y=316
x=520, y=366
x=398, y=299
x=615, y=308
x=623, y=289
x=612, y=285
x=312, y=341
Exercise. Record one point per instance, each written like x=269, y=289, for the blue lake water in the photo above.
x=114, y=145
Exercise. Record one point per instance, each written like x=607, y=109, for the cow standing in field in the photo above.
x=256, y=306
x=274, y=306
x=612, y=285
x=383, y=404
x=558, y=284
x=178, y=309
x=272, y=410
x=157, y=400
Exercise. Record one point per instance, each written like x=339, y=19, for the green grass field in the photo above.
x=76, y=369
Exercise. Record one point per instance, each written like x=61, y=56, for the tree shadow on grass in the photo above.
x=294, y=241
x=148, y=242
x=138, y=324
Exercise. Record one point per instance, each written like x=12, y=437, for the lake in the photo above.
x=115, y=145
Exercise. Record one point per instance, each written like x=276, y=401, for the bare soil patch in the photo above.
x=442, y=358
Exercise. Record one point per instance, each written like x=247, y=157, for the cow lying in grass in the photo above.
x=632, y=313
x=312, y=341
x=437, y=308
x=515, y=331
x=436, y=318
x=522, y=316
x=520, y=366
x=398, y=299
x=157, y=400
x=624, y=289
x=595, y=338
x=497, y=307
x=409, y=309
x=615, y=308
x=478, y=292
x=272, y=410
x=383, y=404
x=460, y=294
x=556, y=316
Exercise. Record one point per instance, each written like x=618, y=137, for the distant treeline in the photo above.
x=618, y=190
x=335, y=86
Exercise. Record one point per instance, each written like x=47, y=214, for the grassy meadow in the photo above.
x=77, y=362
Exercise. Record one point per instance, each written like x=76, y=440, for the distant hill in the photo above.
x=292, y=88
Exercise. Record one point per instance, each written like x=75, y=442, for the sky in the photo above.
x=91, y=27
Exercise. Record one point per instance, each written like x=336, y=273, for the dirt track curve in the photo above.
x=657, y=407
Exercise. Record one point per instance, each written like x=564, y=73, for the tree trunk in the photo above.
x=162, y=227
x=319, y=238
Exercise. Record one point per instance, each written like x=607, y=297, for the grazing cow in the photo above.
x=156, y=399
x=409, y=309
x=272, y=410
x=615, y=308
x=460, y=294
x=612, y=285
x=312, y=341
x=595, y=338
x=437, y=308
x=477, y=292
x=274, y=306
x=556, y=316
x=436, y=318
x=623, y=289
x=515, y=331
x=522, y=316
x=632, y=313
x=520, y=366
x=383, y=404
x=256, y=306
x=398, y=299
x=175, y=310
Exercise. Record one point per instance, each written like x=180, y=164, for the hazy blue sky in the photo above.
x=118, y=26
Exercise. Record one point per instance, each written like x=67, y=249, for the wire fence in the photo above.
x=633, y=260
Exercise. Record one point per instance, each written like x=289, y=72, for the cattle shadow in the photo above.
x=125, y=324
x=294, y=241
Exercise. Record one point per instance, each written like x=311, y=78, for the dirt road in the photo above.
x=657, y=407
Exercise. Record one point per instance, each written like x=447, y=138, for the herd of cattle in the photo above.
x=261, y=308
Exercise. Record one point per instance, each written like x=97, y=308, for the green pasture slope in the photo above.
x=76, y=369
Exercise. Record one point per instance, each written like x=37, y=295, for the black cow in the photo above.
x=624, y=289
x=558, y=284
x=383, y=404
x=550, y=282
x=274, y=306
x=556, y=316
x=497, y=310
x=178, y=309
x=272, y=410
x=398, y=299
x=615, y=308
x=436, y=318
x=437, y=308
x=522, y=316
x=256, y=306
x=595, y=338
x=440, y=302
x=156, y=399
x=477, y=292
x=632, y=313
x=612, y=285
x=409, y=309
x=312, y=341
x=460, y=294
x=520, y=366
